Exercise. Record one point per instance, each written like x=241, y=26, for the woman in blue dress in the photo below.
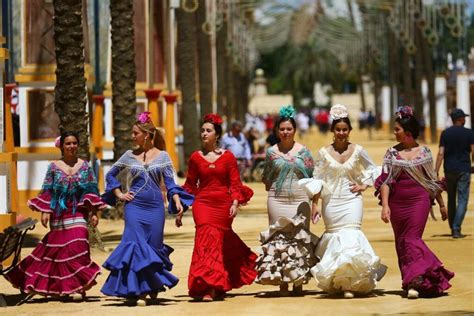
x=140, y=264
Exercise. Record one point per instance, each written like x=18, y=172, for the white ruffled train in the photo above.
x=348, y=263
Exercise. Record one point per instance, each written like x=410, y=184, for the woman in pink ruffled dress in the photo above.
x=61, y=264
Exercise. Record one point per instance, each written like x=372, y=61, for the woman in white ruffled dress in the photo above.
x=287, y=251
x=342, y=172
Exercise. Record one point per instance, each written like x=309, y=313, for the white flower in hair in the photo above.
x=338, y=111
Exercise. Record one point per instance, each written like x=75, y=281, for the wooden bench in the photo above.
x=11, y=241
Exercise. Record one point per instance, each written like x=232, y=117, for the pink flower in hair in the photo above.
x=144, y=117
x=57, y=142
x=404, y=112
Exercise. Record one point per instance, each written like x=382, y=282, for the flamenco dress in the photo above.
x=347, y=260
x=61, y=263
x=288, y=247
x=221, y=261
x=140, y=264
x=413, y=186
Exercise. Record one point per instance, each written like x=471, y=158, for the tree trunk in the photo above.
x=123, y=74
x=230, y=106
x=419, y=101
x=205, y=62
x=70, y=91
x=186, y=57
x=393, y=75
x=221, y=38
x=430, y=78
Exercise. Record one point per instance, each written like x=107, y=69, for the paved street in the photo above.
x=457, y=255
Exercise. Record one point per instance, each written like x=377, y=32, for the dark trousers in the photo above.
x=458, y=187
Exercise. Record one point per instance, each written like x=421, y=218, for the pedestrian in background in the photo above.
x=455, y=146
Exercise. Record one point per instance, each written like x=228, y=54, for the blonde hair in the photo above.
x=156, y=133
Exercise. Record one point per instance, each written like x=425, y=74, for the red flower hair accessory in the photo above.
x=144, y=117
x=213, y=118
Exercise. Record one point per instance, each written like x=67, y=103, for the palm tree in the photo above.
x=123, y=74
x=221, y=65
x=70, y=90
x=205, y=61
x=186, y=58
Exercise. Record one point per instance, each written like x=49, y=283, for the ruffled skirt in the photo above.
x=59, y=265
x=136, y=269
x=287, y=252
x=348, y=263
x=221, y=261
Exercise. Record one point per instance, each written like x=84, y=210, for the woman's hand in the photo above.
x=179, y=207
x=358, y=188
x=94, y=220
x=444, y=212
x=125, y=197
x=315, y=214
x=233, y=210
x=385, y=214
x=45, y=219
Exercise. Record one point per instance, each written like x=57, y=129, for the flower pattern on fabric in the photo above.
x=60, y=189
x=281, y=170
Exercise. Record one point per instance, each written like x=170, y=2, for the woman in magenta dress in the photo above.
x=407, y=188
x=221, y=261
x=61, y=264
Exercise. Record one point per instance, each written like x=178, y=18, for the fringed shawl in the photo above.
x=420, y=169
x=282, y=170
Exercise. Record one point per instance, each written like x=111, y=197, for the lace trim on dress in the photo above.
x=328, y=173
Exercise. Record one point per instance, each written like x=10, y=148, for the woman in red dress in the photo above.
x=221, y=261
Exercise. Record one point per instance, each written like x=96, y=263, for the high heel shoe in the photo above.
x=348, y=294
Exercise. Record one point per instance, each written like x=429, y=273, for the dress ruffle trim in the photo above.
x=287, y=252
x=56, y=271
x=221, y=261
x=136, y=269
x=242, y=194
x=186, y=199
x=421, y=269
x=42, y=202
x=348, y=263
x=311, y=186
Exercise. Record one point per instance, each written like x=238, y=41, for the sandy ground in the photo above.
x=456, y=254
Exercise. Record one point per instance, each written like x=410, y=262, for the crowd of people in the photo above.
x=302, y=188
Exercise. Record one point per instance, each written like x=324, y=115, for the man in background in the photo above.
x=456, y=147
x=236, y=142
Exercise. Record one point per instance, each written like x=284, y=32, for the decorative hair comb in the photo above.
x=287, y=111
x=144, y=117
x=338, y=111
x=213, y=118
x=404, y=111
